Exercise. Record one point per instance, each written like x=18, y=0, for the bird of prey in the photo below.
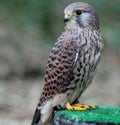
x=72, y=62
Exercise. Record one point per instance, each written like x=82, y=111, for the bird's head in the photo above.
x=81, y=15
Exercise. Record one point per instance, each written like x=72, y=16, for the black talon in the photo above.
x=82, y=106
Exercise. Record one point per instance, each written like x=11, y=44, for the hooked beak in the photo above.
x=67, y=18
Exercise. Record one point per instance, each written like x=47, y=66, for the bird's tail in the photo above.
x=43, y=114
x=36, y=117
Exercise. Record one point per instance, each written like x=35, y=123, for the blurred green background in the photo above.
x=28, y=30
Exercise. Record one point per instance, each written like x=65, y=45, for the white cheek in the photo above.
x=85, y=18
x=72, y=24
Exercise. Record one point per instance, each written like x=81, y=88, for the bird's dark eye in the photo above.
x=78, y=12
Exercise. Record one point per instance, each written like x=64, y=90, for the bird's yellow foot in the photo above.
x=80, y=107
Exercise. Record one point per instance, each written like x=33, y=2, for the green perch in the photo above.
x=101, y=115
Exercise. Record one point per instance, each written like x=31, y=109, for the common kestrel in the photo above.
x=72, y=62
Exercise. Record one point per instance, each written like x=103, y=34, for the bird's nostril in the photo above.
x=68, y=15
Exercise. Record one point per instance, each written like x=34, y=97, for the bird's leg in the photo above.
x=80, y=107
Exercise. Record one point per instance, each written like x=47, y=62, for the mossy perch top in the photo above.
x=101, y=114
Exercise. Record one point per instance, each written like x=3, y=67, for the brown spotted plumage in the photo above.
x=73, y=61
